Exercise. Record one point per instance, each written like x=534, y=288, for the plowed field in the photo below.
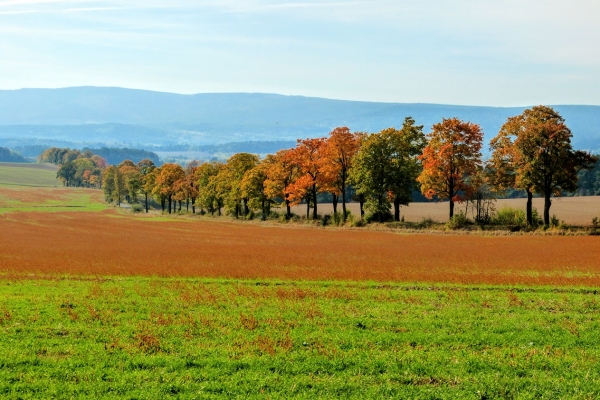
x=109, y=243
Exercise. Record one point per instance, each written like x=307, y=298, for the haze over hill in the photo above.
x=97, y=116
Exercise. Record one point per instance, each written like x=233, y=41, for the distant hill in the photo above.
x=116, y=117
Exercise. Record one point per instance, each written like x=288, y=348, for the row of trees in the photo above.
x=532, y=152
x=77, y=168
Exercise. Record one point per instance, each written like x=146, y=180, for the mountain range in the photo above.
x=118, y=117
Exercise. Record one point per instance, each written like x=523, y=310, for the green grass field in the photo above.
x=37, y=175
x=57, y=200
x=34, y=187
x=154, y=337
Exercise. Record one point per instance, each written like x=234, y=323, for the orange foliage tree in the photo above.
x=281, y=174
x=191, y=187
x=452, y=154
x=166, y=181
x=310, y=157
x=342, y=146
x=533, y=152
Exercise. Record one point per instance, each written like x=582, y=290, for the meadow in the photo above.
x=96, y=302
x=200, y=338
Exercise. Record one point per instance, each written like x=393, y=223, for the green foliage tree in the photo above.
x=210, y=191
x=146, y=168
x=254, y=186
x=235, y=168
x=386, y=166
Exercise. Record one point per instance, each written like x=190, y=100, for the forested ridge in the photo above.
x=6, y=155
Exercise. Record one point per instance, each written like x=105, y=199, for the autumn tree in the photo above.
x=281, y=174
x=132, y=179
x=533, y=152
x=235, y=168
x=146, y=167
x=342, y=146
x=100, y=162
x=166, y=180
x=386, y=167
x=310, y=157
x=211, y=189
x=452, y=154
x=254, y=186
x=191, y=187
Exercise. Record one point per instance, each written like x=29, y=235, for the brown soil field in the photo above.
x=572, y=210
x=108, y=243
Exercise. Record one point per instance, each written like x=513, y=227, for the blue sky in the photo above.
x=476, y=52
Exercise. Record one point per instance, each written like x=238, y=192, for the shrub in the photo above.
x=509, y=216
x=336, y=219
x=458, y=221
x=595, y=226
x=137, y=208
x=426, y=223
x=379, y=216
x=275, y=214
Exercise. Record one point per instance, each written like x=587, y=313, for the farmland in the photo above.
x=33, y=175
x=97, y=302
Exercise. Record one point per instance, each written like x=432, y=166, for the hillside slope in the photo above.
x=103, y=115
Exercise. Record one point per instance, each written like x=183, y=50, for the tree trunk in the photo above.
x=314, y=193
x=146, y=202
x=264, y=211
x=179, y=205
x=169, y=204
x=193, y=205
x=162, y=204
x=379, y=206
x=451, y=192
x=288, y=209
x=397, y=209
x=529, y=207
x=335, y=202
x=344, y=200
x=187, y=205
x=246, y=210
x=361, y=200
x=307, y=207
x=547, y=204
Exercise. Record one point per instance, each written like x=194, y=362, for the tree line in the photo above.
x=77, y=168
x=532, y=152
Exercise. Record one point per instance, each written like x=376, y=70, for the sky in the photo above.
x=471, y=52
